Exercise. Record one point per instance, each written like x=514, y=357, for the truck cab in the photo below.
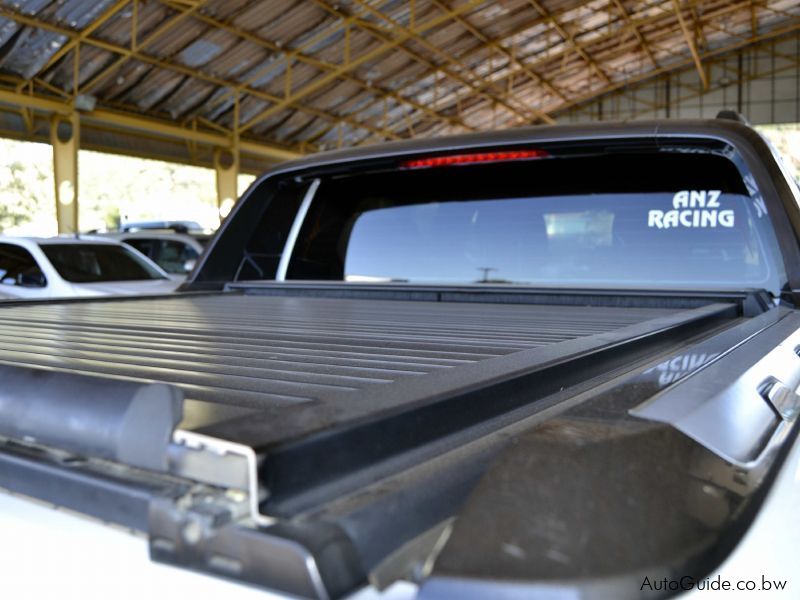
x=555, y=361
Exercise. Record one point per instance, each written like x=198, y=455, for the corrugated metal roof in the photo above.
x=370, y=69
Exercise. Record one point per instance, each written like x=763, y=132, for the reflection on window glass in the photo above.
x=91, y=263
x=174, y=256
x=556, y=240
x=171, y=255
x=587, y=229
x=18, y=267
x=145, y=246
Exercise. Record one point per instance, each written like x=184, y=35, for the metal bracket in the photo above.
x=216, y=527
x=207, y=530
x=784, y=401
x=221, y=463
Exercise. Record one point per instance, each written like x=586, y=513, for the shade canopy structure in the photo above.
x=240, y=85
x=177, y=79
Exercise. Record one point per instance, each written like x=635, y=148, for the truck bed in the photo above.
x=234, y=355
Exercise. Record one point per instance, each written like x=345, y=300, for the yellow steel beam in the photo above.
x=35, y=102
x=470, y=53
x=710, y=55
x=83, y=34
x=381, y=34
x=319, y=82
x=126, y=53
x=698, y=26
x=138, y=55
x=776, y=11
x=155, y=127
x=295, y=54
x=569, y=39
x=510, y=56
x=690, y=42
x=65, y=137
x=27, y=119
x=740, y=36
x=637, y=32
x=629, y=26
x=65, y=107
x=370, y=27
x=290, y=53
x=633, y=22
x=37, y=135
x=651, y=19
x=775, y=33
x=502, y=99
x=482, y=47
x=719, y=61
x=226, y=167
x=136, y=45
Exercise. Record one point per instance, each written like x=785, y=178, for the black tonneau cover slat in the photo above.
x=259, y=352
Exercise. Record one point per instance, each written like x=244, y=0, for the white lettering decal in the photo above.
x=681, y=200
x=761, y=208
x=654, y=218
x=670, y=219
x=693, y=209
x=697, y=199
x=726, y=218
x=680, y=366
x=708, y=218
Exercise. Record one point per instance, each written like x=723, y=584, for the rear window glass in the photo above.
x=93, y=263
x=649, y=220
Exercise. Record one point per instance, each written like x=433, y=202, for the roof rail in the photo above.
x=732, y=115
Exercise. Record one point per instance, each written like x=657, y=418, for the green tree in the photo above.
x=25, y=192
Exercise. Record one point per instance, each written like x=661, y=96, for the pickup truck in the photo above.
x=553, y=362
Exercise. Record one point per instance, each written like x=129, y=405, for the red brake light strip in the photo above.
x=477, y=157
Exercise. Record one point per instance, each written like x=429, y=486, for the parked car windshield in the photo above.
x=173, y=256
x=649, y=220
x=94, y=263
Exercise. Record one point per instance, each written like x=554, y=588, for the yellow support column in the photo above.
x=65, y=136
x=226, y=164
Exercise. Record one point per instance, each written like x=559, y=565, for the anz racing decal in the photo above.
x=758, y=199
x=677, y=368
x=693, y=209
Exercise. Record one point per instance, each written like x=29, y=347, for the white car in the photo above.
x=67, y=267
x=176, y=253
